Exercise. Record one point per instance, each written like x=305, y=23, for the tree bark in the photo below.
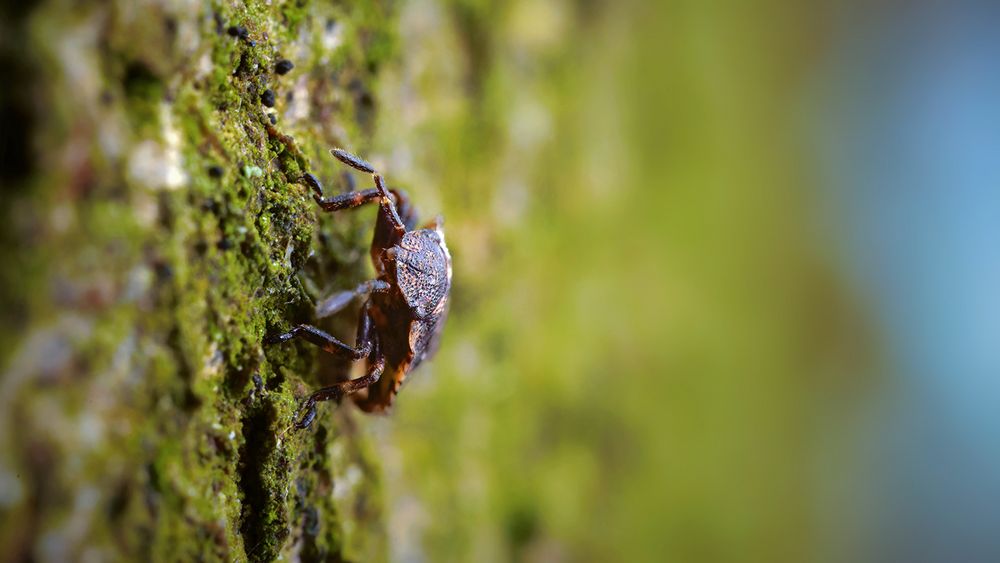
x=155, y=233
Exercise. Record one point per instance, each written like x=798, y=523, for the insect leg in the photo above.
x=349, y=180
x=336, y=392
x=353, y=161
x=376, y=364
x=407, y=212
x=348, y=200
x=352, y=198
x=389, y=207
x=339, y=300
x=313, y=182
x=342, y=201
x=328, y=343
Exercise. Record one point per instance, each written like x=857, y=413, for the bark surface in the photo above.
x=154, y=234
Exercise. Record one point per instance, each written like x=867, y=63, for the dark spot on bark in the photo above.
x=310, y=524
x=522, y=528
x=245, y=66
x=17, y=160
x=170, y=25
x=13, y=11
x=163, y=271
x=140, y=81
x=210, y=205
x=267, y=98
x=283, y=66
x=200, y=247
x=274, y=383
x=364, y=103
x=118, y=501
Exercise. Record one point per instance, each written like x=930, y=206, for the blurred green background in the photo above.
x=646, y=335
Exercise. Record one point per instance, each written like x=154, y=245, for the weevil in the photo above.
x=405, y=305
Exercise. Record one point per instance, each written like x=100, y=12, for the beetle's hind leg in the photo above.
x=340, y=390
x=376, y=364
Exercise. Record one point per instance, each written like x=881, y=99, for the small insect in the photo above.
x=405, y=305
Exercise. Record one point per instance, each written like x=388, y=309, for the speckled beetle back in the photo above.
x=423, y=271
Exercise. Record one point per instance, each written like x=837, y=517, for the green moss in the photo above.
x=293, y=13
x=179, y=285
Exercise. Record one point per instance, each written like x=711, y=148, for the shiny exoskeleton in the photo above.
x=405, y=305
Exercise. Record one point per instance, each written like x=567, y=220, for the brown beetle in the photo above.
x=406, y=305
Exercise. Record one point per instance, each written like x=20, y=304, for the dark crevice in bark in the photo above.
x=262, y=520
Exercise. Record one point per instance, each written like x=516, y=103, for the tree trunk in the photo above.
x=156, y=232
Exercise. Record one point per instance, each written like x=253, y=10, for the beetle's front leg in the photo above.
x=389, y=207
x=342, y=201
x=317, y=187
x=348, y=200
x=407, y=212
x=386, y=202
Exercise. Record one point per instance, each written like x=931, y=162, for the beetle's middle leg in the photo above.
x=330, y=344
x=325, y=341
x=339, y=300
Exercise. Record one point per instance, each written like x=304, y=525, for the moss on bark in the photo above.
x=156, y=234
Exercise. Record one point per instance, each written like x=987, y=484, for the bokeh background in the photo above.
x=726, y=281
x=727, y=284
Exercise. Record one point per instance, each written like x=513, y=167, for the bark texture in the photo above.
x=154, y=233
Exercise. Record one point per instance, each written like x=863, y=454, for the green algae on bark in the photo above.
x=159, y=236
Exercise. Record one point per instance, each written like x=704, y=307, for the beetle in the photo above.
x=405, y=305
